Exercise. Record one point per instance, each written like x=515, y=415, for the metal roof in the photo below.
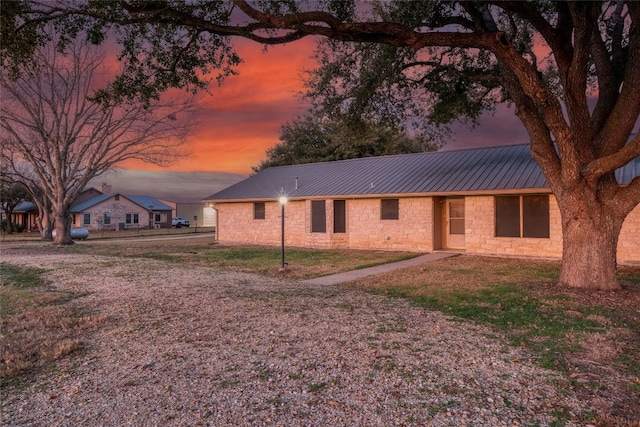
x=146, y=202
x=25, y=207
x=89, y=203
x=464, y=171
x=150, y=203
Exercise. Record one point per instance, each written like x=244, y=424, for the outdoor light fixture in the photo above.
x=283, y=201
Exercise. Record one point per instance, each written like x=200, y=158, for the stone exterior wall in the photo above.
x=117, y=209
x=481, y=239
x=629, y=242
x=413, y=231
x=364, y=228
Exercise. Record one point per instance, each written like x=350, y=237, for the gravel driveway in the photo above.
x=190, y=346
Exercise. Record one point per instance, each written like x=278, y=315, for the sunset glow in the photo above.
x=239, y=120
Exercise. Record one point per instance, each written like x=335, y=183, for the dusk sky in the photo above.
x=238, y=121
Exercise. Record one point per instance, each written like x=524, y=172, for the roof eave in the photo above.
x=538, y=190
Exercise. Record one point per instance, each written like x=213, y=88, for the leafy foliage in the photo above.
x=317, y=138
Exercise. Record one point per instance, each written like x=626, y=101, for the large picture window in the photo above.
x=522, y=216
x=259, y=210
x=339, y=216
x=318, y=216
x=390, y=209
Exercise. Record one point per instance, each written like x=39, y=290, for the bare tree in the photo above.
x=50, y=120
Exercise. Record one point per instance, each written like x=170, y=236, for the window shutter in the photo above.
x=339, y=216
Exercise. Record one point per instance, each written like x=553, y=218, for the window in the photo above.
x=522, y=216
x=259, y=210
x=86, y=219
x=339, y=216
x=535, y=216
x=390, y=209
x=318, y=216
x=132, y=218
x=106, y=219
x=456, y=216
x=160, y=217
x=507, y=216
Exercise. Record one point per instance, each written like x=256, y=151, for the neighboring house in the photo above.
x=26, y=214
x=482, y=201
x=120, y=212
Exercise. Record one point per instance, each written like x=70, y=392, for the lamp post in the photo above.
x=283, y=201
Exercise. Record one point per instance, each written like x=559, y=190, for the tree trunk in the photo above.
x=9, y=223
x=590, y=243
x=46, y=226
x=63, y=229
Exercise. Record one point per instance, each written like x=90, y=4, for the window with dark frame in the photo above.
x=259, y=210
x=507, y=216
x=131, y=218
x=390, y=209
x=535, y=216
x=318, y=216
x=86, y=219
x=522, y=216
x=339, y=216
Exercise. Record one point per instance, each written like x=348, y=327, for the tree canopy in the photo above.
x=569, y=69
x=317, y=138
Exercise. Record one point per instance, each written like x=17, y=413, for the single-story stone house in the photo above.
x=482, y=201
x=120, y=212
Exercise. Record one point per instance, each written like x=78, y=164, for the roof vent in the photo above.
x=372, y=185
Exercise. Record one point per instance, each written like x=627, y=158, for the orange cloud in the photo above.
x=239, y=120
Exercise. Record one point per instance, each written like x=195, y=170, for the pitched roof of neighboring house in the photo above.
x=150, y=203
x=83, y=206
x=146, y=202
x=440, y=172
x=25, y=207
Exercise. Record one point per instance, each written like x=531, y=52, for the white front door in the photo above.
x=454, y=233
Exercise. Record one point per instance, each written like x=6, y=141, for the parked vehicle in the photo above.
x=179, y=222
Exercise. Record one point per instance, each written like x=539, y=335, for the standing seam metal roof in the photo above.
x=147, y=202
x=484, y=169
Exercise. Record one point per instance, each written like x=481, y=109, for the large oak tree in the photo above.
x=481, y=52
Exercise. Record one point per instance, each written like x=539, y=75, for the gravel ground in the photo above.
x=191, y=346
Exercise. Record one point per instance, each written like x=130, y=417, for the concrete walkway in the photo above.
x=348, y=276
